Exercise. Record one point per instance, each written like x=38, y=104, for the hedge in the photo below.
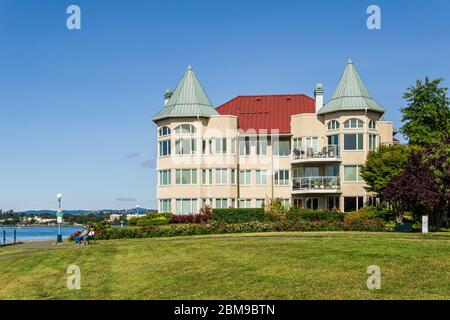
x=238, y=215
x=174, y=230
x=314, y=215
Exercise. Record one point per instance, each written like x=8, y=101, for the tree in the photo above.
x=382, y=165
x=423, y=187
x=427, y=116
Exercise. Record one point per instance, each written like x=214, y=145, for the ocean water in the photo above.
x=36, y=233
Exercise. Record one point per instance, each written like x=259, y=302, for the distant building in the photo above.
x=252, y=148
x=117, y=217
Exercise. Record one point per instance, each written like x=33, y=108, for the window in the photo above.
x=353, y=124
x=352, y=174
x=333, y=125
x=261, y=146
x=185, y=146
x=207, y=176
x=312, y=142
x=221, y=176
x=221, y=146
x=233, y=176
x=221, y=203
x=281, y=177
x=353, y=203
x=185, y=128
x=312, y=203
x=186, y=176
x=259, y=203
x=333, y=203
x=372, y=142
x=354, y=141
x=244, y=146
x=165, y=205
x=312, y=171
x=372, y=201
x=332, y=170
x=298, y=203
x=297, y=144
x=261, y=177
x=282, y=148
x=207, y=202
x=245, y=203
x=285, y=202
x=298, y=173
x=233, y=203
x=245, y=177
x=164, y=148
x=233, y=146
x=164, y=131
x=165, y=177
x=186, y=206
x=372, y=124
x=206, y=146
x=333, y=140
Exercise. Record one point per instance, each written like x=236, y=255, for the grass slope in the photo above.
x=256, y=266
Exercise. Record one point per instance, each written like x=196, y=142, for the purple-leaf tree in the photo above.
x=423, y=188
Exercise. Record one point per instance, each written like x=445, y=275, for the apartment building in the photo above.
x=253, y=148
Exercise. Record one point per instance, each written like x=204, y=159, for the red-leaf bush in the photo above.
x=190, y=218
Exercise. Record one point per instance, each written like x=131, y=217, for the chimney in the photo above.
x=318, y=94
x=167, y=95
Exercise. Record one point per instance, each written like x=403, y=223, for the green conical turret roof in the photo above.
x=351, y=94
x=188, y=100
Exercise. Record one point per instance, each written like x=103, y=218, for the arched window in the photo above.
x=353, y=123
x=372, y=124
x=163, y=131
x=333, y=125
x=185, y=128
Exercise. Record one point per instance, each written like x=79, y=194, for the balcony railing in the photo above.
x=326, y=152
x=320, y=184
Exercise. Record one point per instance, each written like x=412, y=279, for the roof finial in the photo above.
x=349, y=61
x=189, y=67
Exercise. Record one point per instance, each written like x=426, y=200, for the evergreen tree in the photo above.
x=427, y=116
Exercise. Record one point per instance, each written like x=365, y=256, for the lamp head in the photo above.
x=59, y=196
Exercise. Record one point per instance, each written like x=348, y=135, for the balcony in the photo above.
x=330, y=153
x=316, y=185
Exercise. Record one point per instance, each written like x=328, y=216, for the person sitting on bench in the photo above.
x=90, y=236
x=81, y=237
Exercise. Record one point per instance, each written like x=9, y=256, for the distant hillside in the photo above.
x=84, y=212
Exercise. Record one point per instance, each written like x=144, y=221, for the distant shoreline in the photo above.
x=40, y=225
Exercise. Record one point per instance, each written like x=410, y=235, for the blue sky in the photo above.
x=76, y=106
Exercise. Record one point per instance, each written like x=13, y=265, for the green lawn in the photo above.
x=253, y=266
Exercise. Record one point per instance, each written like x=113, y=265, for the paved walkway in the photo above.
x=44, y=245
x=34, y=244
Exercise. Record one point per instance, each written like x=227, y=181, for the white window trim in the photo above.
x=187, y=184
x=159, y=178
x=355, y=150
x=357, y=174
x=226, y=183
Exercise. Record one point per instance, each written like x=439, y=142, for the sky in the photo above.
x=76, y=105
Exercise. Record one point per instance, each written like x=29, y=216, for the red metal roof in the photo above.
x=267, y=112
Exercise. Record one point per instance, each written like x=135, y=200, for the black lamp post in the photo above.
x=59, y=215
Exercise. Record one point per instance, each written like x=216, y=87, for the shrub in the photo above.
x=361, y=224
x=237, y=215
x=151, y=218
x=152, y=221
x=276, y=209
x=152, y=215
x=299, y=214
x=190, y=218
